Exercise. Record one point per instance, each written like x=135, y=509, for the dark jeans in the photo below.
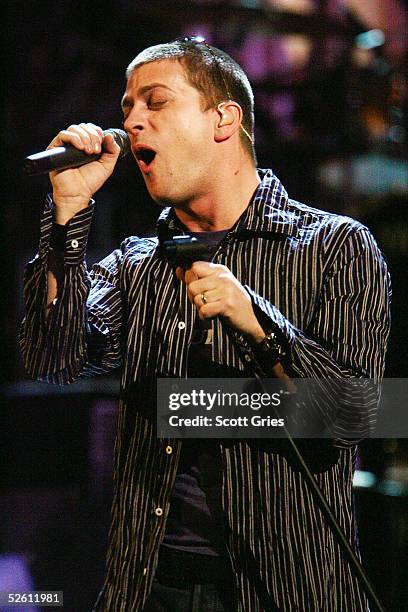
x=178, y=587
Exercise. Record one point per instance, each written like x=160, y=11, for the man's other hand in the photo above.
x=217, y=293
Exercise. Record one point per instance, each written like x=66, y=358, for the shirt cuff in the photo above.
x=58, y=237
x=272, y=320
x=262, y=364
x=77, y=232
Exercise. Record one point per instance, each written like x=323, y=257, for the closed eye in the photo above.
x=156, y=104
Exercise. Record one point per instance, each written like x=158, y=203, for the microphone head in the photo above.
x=121, y=139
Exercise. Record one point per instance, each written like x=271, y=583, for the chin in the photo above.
x=159, y=195
x=162, y=200
x=167, y=199
x=164, y=196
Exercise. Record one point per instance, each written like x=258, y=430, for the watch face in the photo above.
x=271, y=344
x=271, y=340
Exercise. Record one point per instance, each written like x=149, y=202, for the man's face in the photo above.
x=172, y=138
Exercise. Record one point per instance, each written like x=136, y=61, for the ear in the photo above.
x=229, y=117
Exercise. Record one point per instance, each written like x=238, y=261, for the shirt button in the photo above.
x=145, y=571
x=181, y=325
x=248, y=357
x=158, y=511
x=169, y=450
x=74, y=244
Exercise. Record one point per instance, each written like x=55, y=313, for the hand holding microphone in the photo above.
x=83, y=160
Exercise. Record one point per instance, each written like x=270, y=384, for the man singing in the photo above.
x=216, y=525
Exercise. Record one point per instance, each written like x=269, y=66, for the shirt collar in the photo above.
x=268, y=212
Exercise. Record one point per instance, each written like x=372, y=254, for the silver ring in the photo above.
x=203, y=298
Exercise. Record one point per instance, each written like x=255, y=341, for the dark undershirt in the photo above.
x=195, y=521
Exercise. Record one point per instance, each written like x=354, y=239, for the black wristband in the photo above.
x=275, y=342
x=58, y=237
x=269, y=351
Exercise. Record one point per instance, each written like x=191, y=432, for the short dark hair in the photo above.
x=198, y=60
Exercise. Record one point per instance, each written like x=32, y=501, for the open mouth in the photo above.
x=144, y=156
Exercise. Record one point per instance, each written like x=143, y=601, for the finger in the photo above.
x=209, y=311
x=180, y=273
x=109, y=145
x=94, y=137
x=104, y=142
x=206, y=297
x=199, y=300
x=84, y=136
x=205, y=268
x=98, y=129
x=75, y=136
x=67, y=137
x=203, y=285
x=190, y=276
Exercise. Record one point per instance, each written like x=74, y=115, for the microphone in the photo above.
x=183, y=251
x=60, y=158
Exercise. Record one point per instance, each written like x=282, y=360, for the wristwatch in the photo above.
x=270, y=349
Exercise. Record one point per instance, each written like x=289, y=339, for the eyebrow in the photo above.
x=128, y=100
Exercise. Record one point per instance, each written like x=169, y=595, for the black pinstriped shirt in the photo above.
x=317, y=277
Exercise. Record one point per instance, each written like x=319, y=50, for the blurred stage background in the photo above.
x=330, y=86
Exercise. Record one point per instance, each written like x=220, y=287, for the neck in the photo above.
x=219, y=208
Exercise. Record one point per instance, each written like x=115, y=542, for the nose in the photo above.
x=134, y=122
